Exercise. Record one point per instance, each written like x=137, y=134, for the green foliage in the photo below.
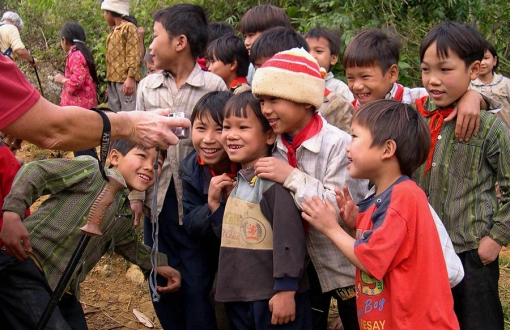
x=408, y=20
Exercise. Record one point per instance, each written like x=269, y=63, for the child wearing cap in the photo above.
x=122, y=56
x=309, y=159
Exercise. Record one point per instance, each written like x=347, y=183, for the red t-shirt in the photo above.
x=398, y=244
x=8, y=170
x=18, y=95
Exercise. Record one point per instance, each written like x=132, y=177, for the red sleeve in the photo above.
x=18, y=95
x=8, y=170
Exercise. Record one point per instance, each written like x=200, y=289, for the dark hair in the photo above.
x=148, y=58
x=262, y=18
x=397, y=121
x=131, y=19
x=74, y=33
x=276, y=40
x=238, y=104
x=218, y=29
x=464, y=40
x=372, y=47
x=332, y=36
x=212, y=103
x=490, y=47
x=124, y=146
x=230, y=48
x=186, y=19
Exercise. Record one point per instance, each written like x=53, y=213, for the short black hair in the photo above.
x=218, y=29
x=462, y=39
x=276, y=40
x=230, y=48
x=372, y=47
x=397, y=121
x=332, y=36
x=262, y=18
x=124, y=146
x=186, y=19
x=237, y=105
x=490, y=47
x=212, y=103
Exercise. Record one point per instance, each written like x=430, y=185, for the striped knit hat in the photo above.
x=292, y=75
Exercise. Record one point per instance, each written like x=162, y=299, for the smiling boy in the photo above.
x=39, y=248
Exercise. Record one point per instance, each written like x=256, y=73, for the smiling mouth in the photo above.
x=234, y=147
x=210, y=151
x=144, y=177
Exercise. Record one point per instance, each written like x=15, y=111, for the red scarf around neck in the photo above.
x=231, y=173
x=311, y=129
x=399, y=94
x=238, y=82
x=435, y=124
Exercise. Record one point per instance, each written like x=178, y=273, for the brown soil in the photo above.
x=113, y=288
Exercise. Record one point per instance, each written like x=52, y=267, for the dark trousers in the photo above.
x=476, y=297
x=190, y=307
x=321, y=303
x=24, y=294
x=255, y=315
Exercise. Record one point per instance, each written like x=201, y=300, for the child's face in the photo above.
x=249, y=39
x=151, y=68
x=319, y=49
x=221, y=69
x=65, y=46
x=136, y=167
x=162, y=47
x=446, y=79
x=244, y=139
x=285, y=116
x=368, y=83
x=488, y=63
x=257, y=63
x=108, y=18
x=364, y=160
x=206, y=139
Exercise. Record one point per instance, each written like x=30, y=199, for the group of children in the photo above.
x=257, y=209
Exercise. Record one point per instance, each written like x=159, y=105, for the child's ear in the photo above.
x=474, y=70
x=333, y=60
x=182, y=42
x=271, y=137
x=114, y=157
x=233, y=66
x=390, y=147
x=393, y=72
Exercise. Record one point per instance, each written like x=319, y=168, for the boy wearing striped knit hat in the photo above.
x=309, y=159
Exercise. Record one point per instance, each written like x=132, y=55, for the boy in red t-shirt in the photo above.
x=400, y=281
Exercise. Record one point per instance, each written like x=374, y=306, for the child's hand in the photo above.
x=283, y=307
x=128, y=88
x=488, y=250
x=273, y=169
x=467, y=111
x=59, y=78
x=348, y=209
x=137, y=208
x=15, y=236
x=322, y=216
x=219, y=184
x=173, y=276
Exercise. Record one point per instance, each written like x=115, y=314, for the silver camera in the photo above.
x=180, y=132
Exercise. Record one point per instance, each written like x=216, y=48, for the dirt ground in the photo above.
x=115, y=288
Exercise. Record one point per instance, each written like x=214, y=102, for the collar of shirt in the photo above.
x=313, y=144
x=195, y=78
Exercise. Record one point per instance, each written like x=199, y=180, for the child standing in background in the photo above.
x=325, y=48
x=122, y=56
x=493, y=85
x=80, y=80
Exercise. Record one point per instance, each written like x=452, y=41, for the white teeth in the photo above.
x=363, y=95
x=145, y=177
x=210, y=151
x=234, y=147
x=272, y=120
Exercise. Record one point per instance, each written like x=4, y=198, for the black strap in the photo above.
x=105, y=140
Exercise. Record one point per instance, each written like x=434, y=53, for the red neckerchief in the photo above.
x=238, y=82
x=231, y=173
x=397, y=96
x=311, y=129
x=203, y=63
x=435, y=124
x=326, y=92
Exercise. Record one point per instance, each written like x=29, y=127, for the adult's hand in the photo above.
x=15, y=236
